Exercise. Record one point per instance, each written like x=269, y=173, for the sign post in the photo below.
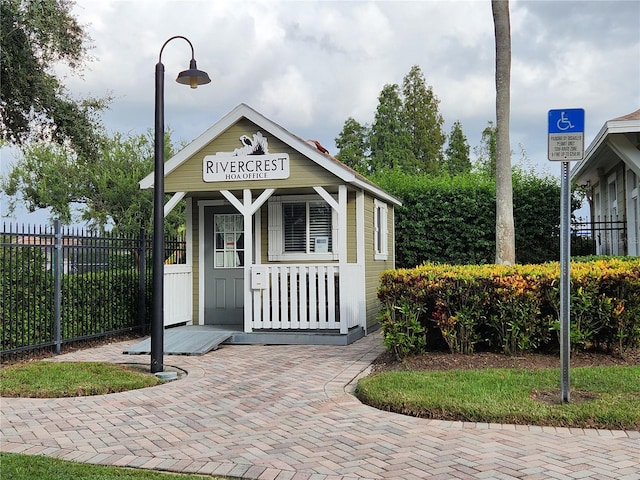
x=565, y=143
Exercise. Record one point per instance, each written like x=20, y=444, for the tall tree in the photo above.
x=486, y=151
x=389, y=140
x=53, y=176
x=457, y=152
x=423, y=122
x=406, y=133
x=36, y=36
x=505, y=231
x=353, y=144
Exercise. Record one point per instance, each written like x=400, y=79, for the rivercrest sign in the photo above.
x=252, y=161
x=223, y=168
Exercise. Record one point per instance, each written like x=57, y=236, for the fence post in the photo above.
x=142, y=279
x=57, y=283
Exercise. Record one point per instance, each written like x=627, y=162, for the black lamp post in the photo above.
x=192, y=77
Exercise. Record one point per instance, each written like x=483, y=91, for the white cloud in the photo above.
x=288, y=96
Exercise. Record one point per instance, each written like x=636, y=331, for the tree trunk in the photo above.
x=505, y=231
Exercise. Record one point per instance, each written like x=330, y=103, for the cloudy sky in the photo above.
x=309, y=65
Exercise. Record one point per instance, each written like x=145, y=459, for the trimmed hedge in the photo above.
x=92, y=304
x=452, y=219
x=510, y=309
x=101, y=302
x=442, y=219
x=27, y=293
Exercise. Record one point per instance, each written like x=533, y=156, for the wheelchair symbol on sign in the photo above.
x=564, y=123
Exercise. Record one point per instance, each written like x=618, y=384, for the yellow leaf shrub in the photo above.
x=515, y=308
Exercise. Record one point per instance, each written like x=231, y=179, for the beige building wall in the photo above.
x=373, y=267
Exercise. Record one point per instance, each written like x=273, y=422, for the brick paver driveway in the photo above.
x=284, y=412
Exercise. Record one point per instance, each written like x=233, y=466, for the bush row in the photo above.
x=510, y=309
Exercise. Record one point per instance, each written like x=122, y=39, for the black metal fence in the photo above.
x=63, y=285
x=605, y=236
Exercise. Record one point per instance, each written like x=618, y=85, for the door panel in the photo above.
x=239, y=293
x=219, y=296
x=224, y=266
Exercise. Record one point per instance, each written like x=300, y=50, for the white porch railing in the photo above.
x=178, y=298
x=353, y=296
x=305, y=297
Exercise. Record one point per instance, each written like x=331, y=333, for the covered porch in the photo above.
x=278, y=302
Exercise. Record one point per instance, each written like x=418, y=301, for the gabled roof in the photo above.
x=630, y=116
x=324, y=160
x=594, y=155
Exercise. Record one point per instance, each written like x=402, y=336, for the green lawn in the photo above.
x=70, y=379
x=15, y=466
x=602, y=397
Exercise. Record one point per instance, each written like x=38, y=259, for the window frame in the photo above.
x=224, y=253
x=276, y=230
x=380, y=230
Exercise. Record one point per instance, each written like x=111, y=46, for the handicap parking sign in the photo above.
x=566, y=134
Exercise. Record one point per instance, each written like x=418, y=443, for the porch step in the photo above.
x=306, y=337
x=188, y=340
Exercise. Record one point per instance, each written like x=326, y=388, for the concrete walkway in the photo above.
x=285, y=413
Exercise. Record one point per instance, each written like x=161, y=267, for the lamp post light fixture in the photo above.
x=192, y=77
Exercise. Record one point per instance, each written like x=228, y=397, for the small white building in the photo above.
x=610, y=171
x=285, y=244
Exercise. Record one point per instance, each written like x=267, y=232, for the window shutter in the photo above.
x=384, y=237
x=376, y=228
x=334, y=234
x=275, y=229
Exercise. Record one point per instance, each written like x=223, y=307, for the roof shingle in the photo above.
x=630, y=116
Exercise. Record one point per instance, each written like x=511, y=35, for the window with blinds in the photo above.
x=294, y=216
x=320, y=226
x=307, y=227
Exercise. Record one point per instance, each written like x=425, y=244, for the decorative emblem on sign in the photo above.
x=256, y=146
x=251, y=161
